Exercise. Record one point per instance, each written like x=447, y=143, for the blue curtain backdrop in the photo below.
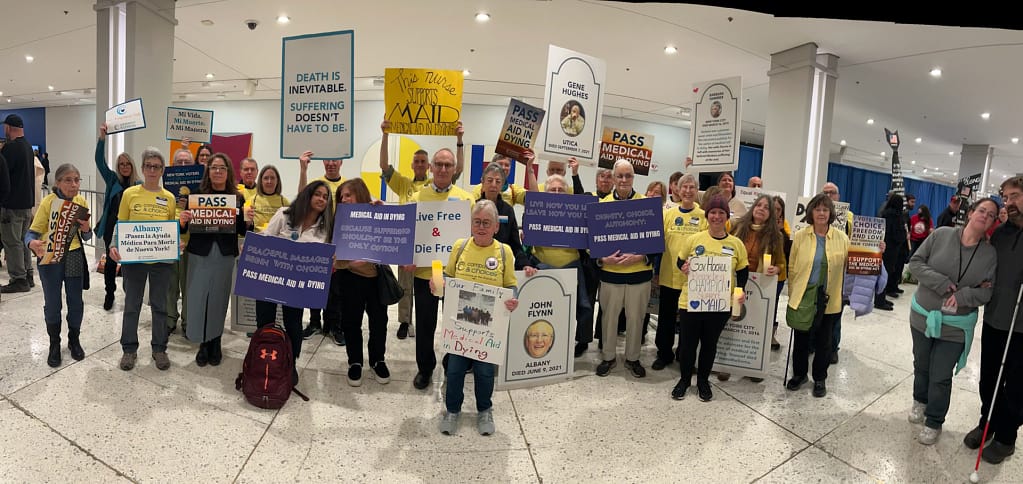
x=865, y=190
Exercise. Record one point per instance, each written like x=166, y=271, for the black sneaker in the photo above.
x=834, y=357
x=108, y=302
x=819, y=389
x=636, y=368
x=17, y=285
x=679, y=392
x=703, y=387
x=996, y=452
x=310, y=330
x=900, y=290
x=581, y=348
x=972, y=439
x=660, y=364
x=422, y=380
x=605, y=366
x=892, y=294
x=884, y=305
x=795, y=383
x=338, y=337
x=381, y=373
x=403, y=330
x=355, y=375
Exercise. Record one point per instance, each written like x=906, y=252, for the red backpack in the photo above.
x=265, y=379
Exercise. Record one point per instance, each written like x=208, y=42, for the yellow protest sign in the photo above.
x=423, y=101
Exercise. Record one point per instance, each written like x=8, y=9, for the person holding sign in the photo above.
x=816, y=268
x=704, y=328
x=354, y=291
x=510, y=192
x=116, y=182
x=50, y=227
x=508, y=231
x=145, y=202
x=211, y=265
x=681, y=221
x=484, y=260
x=203, y=154
x=440, y=189
x=625, y=284
x=955, y=268
x=310, y=218
x=735, y=206
x=332, y=177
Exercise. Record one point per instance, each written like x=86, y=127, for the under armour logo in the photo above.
x=262, y=354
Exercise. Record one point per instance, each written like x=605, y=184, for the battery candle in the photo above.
x=767, y=263
x=438, y=278
x=736, y=307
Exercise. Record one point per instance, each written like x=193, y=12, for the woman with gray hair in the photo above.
x=58, y=268
x=508, y=226
x=117, y=181
x=146, y=202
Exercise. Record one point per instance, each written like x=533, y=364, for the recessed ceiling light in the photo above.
x=8, y=99
x=49, y=87
x=925, y=170
x=209, y=75
x=955, y=173
x=482, y=17
x=919, y=140
x=1005, y=176
x=842, y=142
x=882, y=153
x=936, y=72
x=670, y=49
x=870, y=120
x=951, y=153
x=283, y=19
x=990, y=170
x=29, y=59
x=466, y=73
x=912, y=162
x=206, y=22
x=1015, y=141
x=985, y=115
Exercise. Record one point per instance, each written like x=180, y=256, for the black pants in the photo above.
x=666, y=315
x=361, y=295
x=701, y=329
x=1007, y=415
x=110, y=274
x=426, y=325
x=266, y=313
x=894, y=262
x=821, y=342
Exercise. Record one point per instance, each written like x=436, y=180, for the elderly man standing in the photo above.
x=182, y=157
x=248, y=168
x=17, y=208
x=625, y=283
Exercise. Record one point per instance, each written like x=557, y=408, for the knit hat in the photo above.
x=716, y=202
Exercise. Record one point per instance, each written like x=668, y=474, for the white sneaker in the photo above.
x=411, y=330
x=928, y=436
x=916, y=414
x=485, y=422
x=449, y=423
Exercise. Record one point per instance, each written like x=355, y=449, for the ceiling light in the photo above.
x=209, y=75
x=49, y=87
x=1015, y=141
x=207, y=22
x=1005, y=176
x=951, y=153
x=912, y=162
x=925, y=170
x=919, y=140
x=991, y=170
x=29, y=59
x=8, y=99
x=670, y=49
x=842, y=142
x=221, y=96
x=985, y=115
x=283, y=19
x=955, y=173
x=482, y=17
x=936, y=72
x=882, y=153
x=1, y=93
x=870, y=120
x=466, y=73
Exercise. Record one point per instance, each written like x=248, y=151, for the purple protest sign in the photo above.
x=631, y=226
x=284, y=271
x=384, y=234
x=556, y=220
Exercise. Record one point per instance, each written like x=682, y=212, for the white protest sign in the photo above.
x=475, y=321
x=126, y=116
x=742, y=347
x=574, y=101
x=748, y=195
x=438, y=225
x=194, y=124
x=316, y=95
x=716, y=121
x=841, y=219
x=710, y=284
x=148, y=241
x=541, y=332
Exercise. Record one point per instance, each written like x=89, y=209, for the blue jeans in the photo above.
x=483, y=375
x=52, y=278
x=583, y=308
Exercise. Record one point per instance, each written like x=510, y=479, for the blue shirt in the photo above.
x=815, y=273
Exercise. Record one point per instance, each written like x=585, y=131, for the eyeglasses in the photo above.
x=482, y=223
x=71, y=180
x=218, y=168
x=830, y=192
x=444, y=166
x=625, y=176
x=1012, y=197
x=150, y=166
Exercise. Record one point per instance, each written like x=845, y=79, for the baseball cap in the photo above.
x=14, y=121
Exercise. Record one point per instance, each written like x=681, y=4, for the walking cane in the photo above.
x=788, y=354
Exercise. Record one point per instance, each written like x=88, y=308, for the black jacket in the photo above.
x=1008, y=276
x=5, y=180
x=22, y=171
x=895, y=235
x=946, y=219
x=200, y=244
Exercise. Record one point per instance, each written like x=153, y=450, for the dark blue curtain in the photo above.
x=751, y=159
x=866, y=190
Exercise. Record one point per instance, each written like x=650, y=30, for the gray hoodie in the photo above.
x=998, y=312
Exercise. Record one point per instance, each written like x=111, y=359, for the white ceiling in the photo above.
x=883, y=67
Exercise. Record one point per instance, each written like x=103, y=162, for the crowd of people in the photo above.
x=958, y=270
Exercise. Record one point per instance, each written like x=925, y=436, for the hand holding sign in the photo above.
x=38, y=247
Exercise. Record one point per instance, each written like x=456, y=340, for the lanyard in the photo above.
x=962, y=271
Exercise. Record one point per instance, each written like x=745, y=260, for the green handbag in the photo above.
x=801, y=318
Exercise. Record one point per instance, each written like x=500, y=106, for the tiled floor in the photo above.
x=89, y=421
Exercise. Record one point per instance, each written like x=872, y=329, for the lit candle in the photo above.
x=767, y=263
x=438, y=278
x=736, y=307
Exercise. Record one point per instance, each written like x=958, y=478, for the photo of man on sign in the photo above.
x=573, y=118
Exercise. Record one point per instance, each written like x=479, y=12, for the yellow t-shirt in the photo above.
x=333, y=184
x=514, y=194
x=265, y=206
x=702, y=244
x=247, y=192
x=631, y=268
x=44, y=222
x=678, y=225
x=429, y=194
x=485, y=265
x=404, y=186
x=556, y=256
x=139, y=204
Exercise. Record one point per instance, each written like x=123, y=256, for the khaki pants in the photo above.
x=405, y=305
x=634, y=298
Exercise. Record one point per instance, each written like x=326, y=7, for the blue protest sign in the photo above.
x=556, y=220
x=182, y=181
x=631, y=226
x=378, y=233
x=284, y=271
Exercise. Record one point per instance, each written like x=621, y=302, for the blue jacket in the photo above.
x=114, y=189
x=860, y=291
